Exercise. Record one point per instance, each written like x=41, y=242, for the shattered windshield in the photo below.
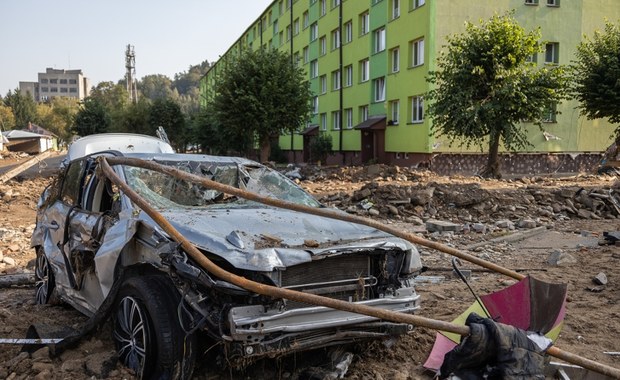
x=166, y=192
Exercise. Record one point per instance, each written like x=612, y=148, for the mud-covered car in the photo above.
x=93, y=244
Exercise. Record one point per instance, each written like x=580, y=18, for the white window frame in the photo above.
x=395, y=57
x=348, y=117
x=553, y=3
x=395, y=111
x=364, y=112
x=336, y=120
x=336, y=80
x=379, y=40
x=335, y=38
x=296, y=27
x=314, y=31
x=322, y=45
x=306, y=20
x=417, y=109
x=364, y=23
x=323, y=83
x=314, y=68
x=379, y=89
x=417, y=3
x=417, y=52
x=323, y=6
x=531, y=2
x=348, y=76
x=323, y=121
x=365, y=70
x=395, y=9
x=306, y=54
x=348, y=32
x=315, y=105
x=555, y=53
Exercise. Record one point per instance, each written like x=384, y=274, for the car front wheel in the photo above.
x=147, y=333
x=44, y=280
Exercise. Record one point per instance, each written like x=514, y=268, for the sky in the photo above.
x=168, y=36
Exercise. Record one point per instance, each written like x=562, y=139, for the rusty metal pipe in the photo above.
x=277, y=292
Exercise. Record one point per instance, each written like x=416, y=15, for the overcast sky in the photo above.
x=168, y=36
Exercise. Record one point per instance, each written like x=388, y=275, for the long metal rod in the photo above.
x=277, y=292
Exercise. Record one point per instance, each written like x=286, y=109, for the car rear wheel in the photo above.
x=147, y=333
x=44, y=280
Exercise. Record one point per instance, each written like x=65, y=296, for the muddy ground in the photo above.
x=574, y=212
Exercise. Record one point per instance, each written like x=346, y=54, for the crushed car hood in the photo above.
x=263, y=239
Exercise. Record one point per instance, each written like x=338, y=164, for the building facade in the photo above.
x=57, y=83
x=367, y=62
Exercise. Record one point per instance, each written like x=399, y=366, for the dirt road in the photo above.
x=592, y=324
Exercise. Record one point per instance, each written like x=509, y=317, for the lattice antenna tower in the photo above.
x=130, y=76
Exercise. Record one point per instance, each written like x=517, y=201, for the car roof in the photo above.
x=185, y=157
x=120, y=142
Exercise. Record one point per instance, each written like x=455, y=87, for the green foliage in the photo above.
x=167, y=114
x=58, y=116
x=92, y=118
x=135, y=119
x=24, y=108
x=596, y=75
x=260, y=96
x=320, y=148
x=7, y=119
x=485, y=87
x=156, y=86
x=205, y=133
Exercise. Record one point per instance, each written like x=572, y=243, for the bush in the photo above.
x=320, y=147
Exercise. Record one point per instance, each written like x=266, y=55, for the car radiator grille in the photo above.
x=344, y=277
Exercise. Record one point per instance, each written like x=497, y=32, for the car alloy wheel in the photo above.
x=44, y=282
x=131, y=334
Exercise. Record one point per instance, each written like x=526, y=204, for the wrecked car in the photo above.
x=93, y=244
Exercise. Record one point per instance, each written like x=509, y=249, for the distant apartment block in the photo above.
x=57, y=83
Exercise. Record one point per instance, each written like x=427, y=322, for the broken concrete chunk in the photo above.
x=600, y=279
x=527, y=223
x=560, y=258
x=433, y=225
x=373, y=212
x=505, y=223
x=8, y=261
x=311, y=243
x=393, y=210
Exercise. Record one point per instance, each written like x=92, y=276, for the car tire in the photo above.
x=146, y=330
x=44, y=280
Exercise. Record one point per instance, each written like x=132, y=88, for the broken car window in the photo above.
x=166, y=192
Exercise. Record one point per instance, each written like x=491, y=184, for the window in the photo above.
x=549, y=113
x=71, y=187
x=348, y=32
x=288, y=4
x=322, y=4
x=54, y=81
x=395, y=9
x=395, y=111
x=553, y=3
x=73, y=89
x=417, y=109
x=314, y=68
x=335, y=39
x=395, y=58
x=280, y=7
x=63, y=81
x=296, y=59
x=379, y=36
x=64, y=89
x=532, y=58
x=364, y=23
x=269, y=17
x=348, y=76
x=379, y=87
x=54, y=89
x=275, y=27
x=363, y=113
x=322, y=45
x=336, y=119
x=364, y=70
x=531, y=2
x=288, y=32
x=417, y=53
x=323, y=121
x=44, y=80
x=552, y=50
x=296, y=27
x=335, y=3
x=45, y=89
x=306, y=19
x=314, y=31
x=336, y=80
x=323, y=81
x=306, y=55
x=348, y=118
x=417, y=3
x=315, y=105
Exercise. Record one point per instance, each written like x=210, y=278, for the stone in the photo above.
x=392, y=210
x=584, y=214
x=422, y=197
x=600, y=279
x=361, y=194
x=479, y=228
x=8, y=261
x=73, y=365
x=373, y=212
x=43, y=375
x=505, y=223
x=527, y=223
x=433, y=225
x=560, y=258
x=40, y=354
x=101, y=364
x=373, y=170
x=13, y=248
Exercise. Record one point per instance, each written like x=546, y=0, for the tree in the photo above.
x=167, y=114
x=58, y=115
x=91, y=118
x=261, y=95
x=486, y=87
x=596, y=75
x=24, y=108
x=7, y=119
x=157, y=86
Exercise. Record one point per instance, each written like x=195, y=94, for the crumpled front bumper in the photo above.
x=258, y=331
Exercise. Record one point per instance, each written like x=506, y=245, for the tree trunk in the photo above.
x=265, y=150
x=491, y=170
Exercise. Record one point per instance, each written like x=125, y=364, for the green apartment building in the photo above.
x=367, y=61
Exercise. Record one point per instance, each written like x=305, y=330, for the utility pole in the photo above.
x=130, y=76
